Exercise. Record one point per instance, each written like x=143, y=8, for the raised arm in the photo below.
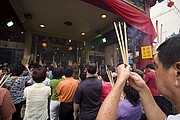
x=109, y=107
x=152, y=111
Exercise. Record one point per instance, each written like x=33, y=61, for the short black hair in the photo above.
x=91, y=67
x=151, y=66
x=39, y=74
x=17, y=69
x=169, y=52
x=68, y=71
x=58, y=73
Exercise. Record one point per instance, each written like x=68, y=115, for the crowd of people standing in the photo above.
x=88, y=95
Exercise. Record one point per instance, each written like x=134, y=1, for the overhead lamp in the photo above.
x=10, y=23
x=103, y=16
x=42, y=25
x=104, y=40
x=69, y=40
x=83, y=33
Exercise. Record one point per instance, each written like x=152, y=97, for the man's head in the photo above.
x=58, y=72
x=167, y=64
x=68, y=71
x=150, y=67
x=91, y=68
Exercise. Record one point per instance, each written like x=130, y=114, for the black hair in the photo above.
x=169, y=52
x=138, y=71
x=68, y=71
x=83, y=75
x=17, y=69
x=104, y=75
x=39, y=74
x=151, y=66
x=131, y=94
x=91, y=67
x=58, y=73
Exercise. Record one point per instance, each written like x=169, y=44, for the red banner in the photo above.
x=133, y=17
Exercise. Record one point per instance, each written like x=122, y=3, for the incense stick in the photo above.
x=122, y=53
x=126, y=46
x=160, y=40
x=2, y=78
x=5, y=80
x=122, y=41
x=123, y=46
x=109, y=73
x=157, y=31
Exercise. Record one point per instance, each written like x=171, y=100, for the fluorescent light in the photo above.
x=103, y=16
x=104, y=40
x=42, y=25
x=9, y=24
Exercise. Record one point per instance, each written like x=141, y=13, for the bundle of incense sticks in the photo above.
x=122, y=42
x=2, y=81
x=109, y=73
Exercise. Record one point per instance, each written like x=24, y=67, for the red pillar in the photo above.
x=146, y=42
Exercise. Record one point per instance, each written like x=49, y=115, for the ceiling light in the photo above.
x=103, y=16
x=104, y=40
x=42, y=25
x=69, y=40
x=83, y=33
x=10, y=23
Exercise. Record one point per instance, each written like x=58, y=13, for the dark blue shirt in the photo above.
x=88, y=95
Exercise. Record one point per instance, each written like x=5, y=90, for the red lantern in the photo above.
x=170, y=4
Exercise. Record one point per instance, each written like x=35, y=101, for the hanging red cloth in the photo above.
x=133, y=17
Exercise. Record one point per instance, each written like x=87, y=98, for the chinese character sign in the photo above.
x=146, y=52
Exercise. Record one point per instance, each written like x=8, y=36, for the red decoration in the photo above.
x=170, y=4
x=133, y=17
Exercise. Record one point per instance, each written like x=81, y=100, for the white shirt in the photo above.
x=37, y=101
x=173, y=117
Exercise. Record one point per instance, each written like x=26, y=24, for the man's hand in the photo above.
x=123, y=72
x=136, y=81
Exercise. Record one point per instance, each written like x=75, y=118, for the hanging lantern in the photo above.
x=170, y=4
x=70, y=48
x=44, y=44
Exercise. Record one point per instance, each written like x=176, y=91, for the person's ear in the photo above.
x=177, y=68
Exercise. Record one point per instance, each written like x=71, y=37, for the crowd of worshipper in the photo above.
x=74, y=92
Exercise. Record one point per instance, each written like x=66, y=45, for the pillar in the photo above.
x=28, y=44
x=146, y=42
